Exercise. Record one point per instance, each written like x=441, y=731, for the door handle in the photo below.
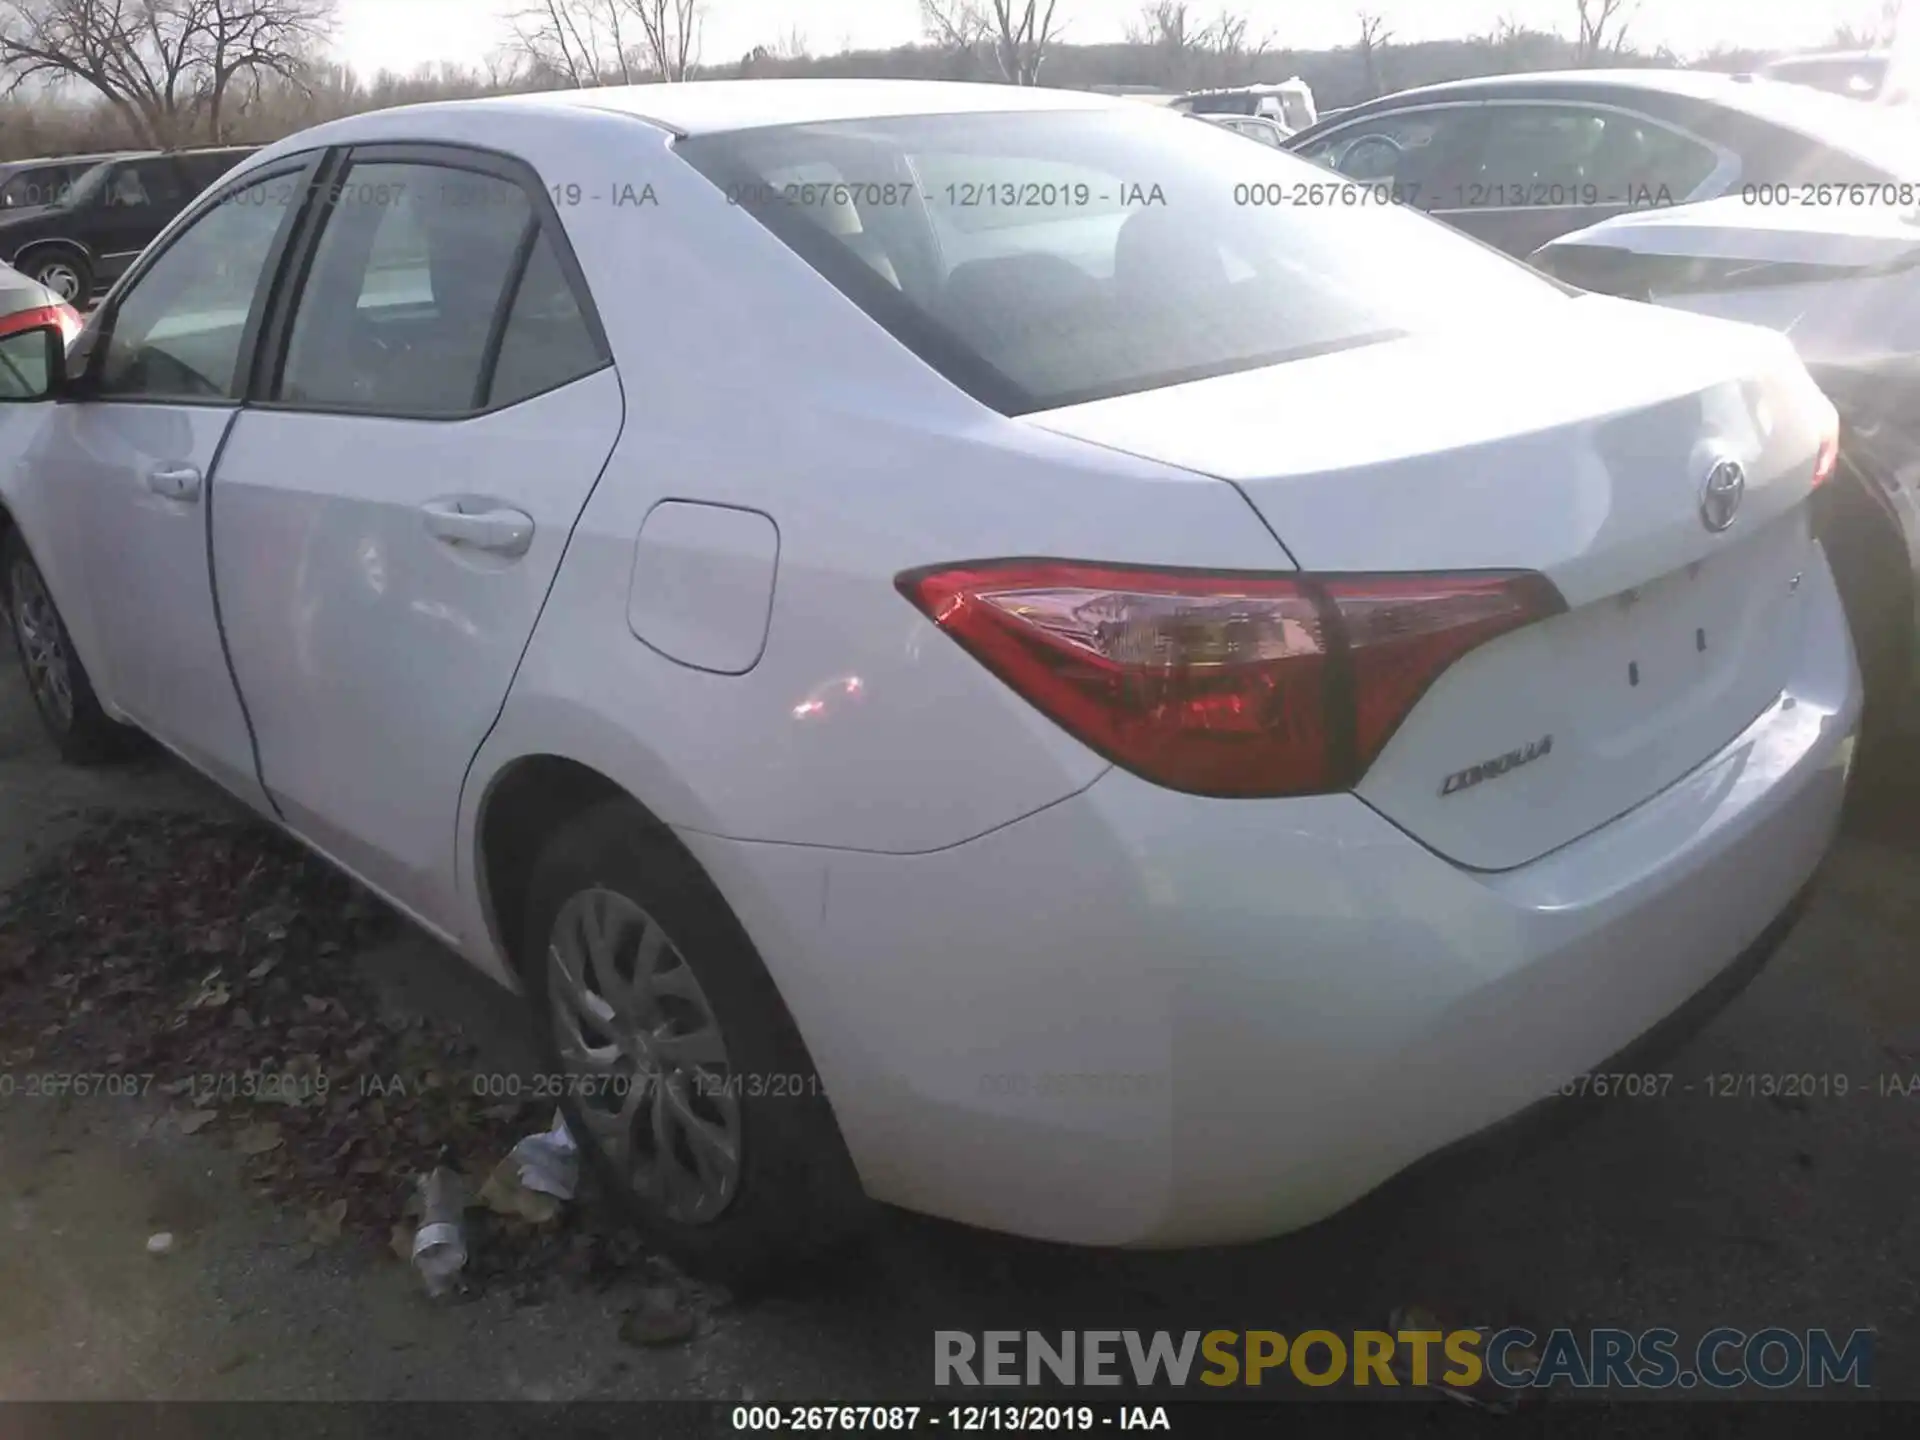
x=176, y=482
x=478, y=525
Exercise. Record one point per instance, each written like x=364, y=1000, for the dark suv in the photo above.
x=82, y=242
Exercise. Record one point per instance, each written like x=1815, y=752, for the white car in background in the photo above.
x=1837, y=270
x=1263, y=128
x=1129, y=742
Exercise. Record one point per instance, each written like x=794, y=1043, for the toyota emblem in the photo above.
x=1720, y=497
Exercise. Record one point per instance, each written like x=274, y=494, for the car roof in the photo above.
x=1775, y=102
x=1826, y=57
x=700, y=107
x=1689, y=84
x=37, y=161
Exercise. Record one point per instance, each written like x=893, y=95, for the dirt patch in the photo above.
x=204, y=963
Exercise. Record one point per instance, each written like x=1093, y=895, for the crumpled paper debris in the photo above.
x=537, y=1175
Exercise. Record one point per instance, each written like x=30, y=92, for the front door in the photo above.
x=389, y=517
x=136, y=450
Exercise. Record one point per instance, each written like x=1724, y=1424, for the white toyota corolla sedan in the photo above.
x=986, y=648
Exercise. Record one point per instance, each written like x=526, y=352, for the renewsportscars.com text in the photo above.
x=1515, y=1359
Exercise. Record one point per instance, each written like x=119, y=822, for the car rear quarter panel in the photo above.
x=750, y=382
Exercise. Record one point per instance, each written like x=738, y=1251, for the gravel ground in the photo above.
x=1688, y=1212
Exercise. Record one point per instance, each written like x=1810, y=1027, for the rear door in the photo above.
x=434, y=405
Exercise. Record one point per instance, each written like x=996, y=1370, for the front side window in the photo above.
x=1425, y=152
x=177, y=333
x=128, y=189
x=400, y=302
x=1122, y=251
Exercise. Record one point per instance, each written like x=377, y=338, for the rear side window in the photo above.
x=47, y=185
x=433, y=292
x=399, y=303
x=1040, y=259
x=548, y=342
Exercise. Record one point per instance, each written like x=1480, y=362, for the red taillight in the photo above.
x=1827, y=457
x=1224, y=684
x=64, y=316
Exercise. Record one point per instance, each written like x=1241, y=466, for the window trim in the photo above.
x=1725, y=174
x=92, y=348
x=270, y=360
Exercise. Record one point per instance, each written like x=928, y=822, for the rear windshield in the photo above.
x=43, y=185
x=1040, y=259
x=1887, y=137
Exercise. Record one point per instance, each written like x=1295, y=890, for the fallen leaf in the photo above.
x=257, y=1139
x=661, y=1318
x=324, y=1226
x=194, y=1121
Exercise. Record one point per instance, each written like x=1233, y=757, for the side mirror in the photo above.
x=33, y=364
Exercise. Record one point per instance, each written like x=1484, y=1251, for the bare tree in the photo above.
x=792, y=45
x=672, y=32
x=168, y=68
x=1228, y=50
x=574, y=42
x=1162, y=24
x=1603, y=28
x=958, y=28
x=248, y=40
x=1882, y=28
x=1164, y=27
x=1226, y=34
x=1018, y=32
x=1022, y=33
x=1375, y=37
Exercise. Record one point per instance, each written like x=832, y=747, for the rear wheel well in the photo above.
x=527, y=804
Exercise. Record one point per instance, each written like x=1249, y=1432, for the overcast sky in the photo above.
x=402, y=34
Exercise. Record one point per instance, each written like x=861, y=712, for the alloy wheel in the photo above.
x=42, y=647
x=646, y=1062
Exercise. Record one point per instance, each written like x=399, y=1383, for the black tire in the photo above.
x=797, y=1196
x=79, y=728
x=52, y=266
x=1871, y=570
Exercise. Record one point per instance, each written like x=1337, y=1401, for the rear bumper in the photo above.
x=1143, y=1018
x=1647, y=1059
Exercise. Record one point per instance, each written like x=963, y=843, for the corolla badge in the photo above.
x=1720, y=497
x=1493, y=769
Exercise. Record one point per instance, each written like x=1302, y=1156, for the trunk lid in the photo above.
x=1578, y=449
x=1734, y=228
